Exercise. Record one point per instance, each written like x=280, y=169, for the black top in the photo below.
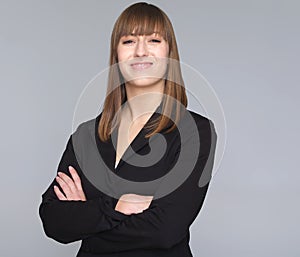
x=160, y=231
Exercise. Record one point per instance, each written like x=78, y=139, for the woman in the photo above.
x=145, y=101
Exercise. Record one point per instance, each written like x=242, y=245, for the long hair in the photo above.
x=143, y=19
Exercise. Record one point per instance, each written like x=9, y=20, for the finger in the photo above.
x=59, y=194
x=78, y=184
x=68, y=181
x=76, y=178
x=65, y=187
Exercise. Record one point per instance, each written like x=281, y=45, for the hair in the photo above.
x=143, y=19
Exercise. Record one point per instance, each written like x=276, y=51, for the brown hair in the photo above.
x=143, y=19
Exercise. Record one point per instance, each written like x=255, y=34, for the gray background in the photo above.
x=248, y=51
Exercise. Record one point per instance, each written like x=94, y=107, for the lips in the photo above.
x=141, y=65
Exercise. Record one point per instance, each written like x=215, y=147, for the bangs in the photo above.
x=142, y=19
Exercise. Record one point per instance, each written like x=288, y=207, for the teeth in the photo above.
x=141, y=65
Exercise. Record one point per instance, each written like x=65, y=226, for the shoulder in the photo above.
x=205, y=129
x=199, y=118
x=84, y=135
x=203, y=123
x=86, y=127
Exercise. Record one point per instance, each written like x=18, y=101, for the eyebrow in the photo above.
x=155, y=32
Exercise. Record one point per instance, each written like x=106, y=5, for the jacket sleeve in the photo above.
x=69, y=221
x=167, y=220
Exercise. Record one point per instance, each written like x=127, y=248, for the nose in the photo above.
x=141, y=48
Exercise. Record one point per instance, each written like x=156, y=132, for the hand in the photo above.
x=133, y=204
x=72, y=189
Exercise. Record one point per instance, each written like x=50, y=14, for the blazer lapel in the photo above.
x=107, y=149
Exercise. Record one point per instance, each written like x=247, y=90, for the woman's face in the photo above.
x=143, y=59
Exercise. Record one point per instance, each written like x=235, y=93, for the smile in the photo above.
x=141, y=65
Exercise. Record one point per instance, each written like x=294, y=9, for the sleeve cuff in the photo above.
x=107, y=208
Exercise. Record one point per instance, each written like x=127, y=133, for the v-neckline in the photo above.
x=116, y=165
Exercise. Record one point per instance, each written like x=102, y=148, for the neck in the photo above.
x=142, y=101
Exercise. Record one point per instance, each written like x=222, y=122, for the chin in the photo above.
x=143, y=82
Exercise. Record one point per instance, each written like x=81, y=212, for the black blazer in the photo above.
x=162, y=229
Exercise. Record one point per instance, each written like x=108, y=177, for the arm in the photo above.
x=167, y=220
x=68, y=221
x=133, y=203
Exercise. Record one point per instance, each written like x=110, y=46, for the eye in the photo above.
x=155, y=40
x=126, y=42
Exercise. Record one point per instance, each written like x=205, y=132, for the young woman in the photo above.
x=144, y=134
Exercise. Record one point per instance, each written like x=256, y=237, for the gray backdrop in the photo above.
x=248, y=51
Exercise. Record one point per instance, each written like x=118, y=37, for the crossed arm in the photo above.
x=72, y=191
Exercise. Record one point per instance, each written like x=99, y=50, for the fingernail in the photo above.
x=70, y=167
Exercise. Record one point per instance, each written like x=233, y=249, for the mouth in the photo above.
x=141, y=65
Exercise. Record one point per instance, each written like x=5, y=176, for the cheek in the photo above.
x=124, y=55
x=119, y=55
x=164, y=52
